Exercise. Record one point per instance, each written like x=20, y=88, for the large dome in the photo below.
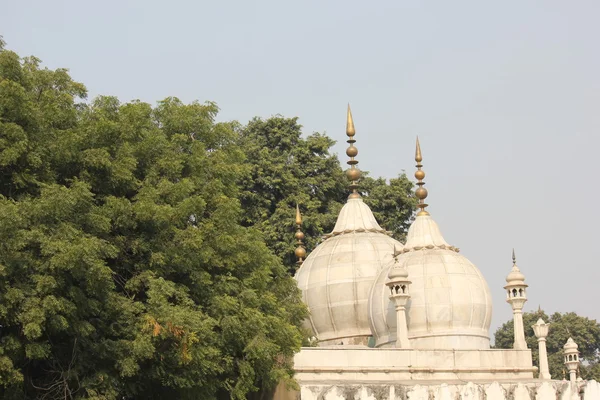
x=450, y=305
x=335, y=279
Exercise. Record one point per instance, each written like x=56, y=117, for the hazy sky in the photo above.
x=504, y=96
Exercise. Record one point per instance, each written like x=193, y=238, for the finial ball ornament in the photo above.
x=299, y=235
x=300, y=252
x=421, y=193
x=420, y=174
x=353, y=174
x=351, y=151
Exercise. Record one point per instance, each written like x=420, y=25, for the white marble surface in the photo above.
x=335, y=279
x=529, y=390
x=364, y=365
x=450, y=304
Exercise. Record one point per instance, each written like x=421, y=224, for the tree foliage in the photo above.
x=584, y=331
x=287, y=169
x=125, y=269
x=145, y=250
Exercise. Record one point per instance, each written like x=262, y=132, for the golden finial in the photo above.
x=298, y=216
x=514, y=257
x=421, y=192
x=353, y=173
x=300, y=250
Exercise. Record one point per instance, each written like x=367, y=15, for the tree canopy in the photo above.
x=584, y=331
x=145, y=251
x=287, y=169
x=125, y=268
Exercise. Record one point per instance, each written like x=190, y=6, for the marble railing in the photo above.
x=532, y=390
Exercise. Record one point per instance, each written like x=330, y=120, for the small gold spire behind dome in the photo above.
x=353, y=173
x=300, y=251
x=298, y=216
x=421, y=192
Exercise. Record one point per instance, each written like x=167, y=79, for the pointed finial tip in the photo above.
x=418, y=156
x=298, y=215
x=350, y=131
x=514, y=258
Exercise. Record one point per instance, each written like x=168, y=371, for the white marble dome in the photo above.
x=450, y=305
x=336, y=277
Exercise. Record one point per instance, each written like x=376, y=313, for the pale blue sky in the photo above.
x=504, y=95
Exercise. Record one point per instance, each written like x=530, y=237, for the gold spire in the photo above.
x=298, y=216
x=353, y=173
x=300, y=250
x=421, y=192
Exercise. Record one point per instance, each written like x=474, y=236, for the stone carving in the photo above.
x=418, y=393
x=570, y=392
x=521, y=393
x=443, y=393
x=592, y=391
x=546, y=392
x=495, y=392
x=471, y=392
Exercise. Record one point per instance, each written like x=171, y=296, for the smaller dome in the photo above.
x=398, y=272
x=515, y=277
x=570, y=345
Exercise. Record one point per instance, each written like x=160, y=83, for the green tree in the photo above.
x=584, y=331
x=286, y=168
x=393, y=203
x=125, y=271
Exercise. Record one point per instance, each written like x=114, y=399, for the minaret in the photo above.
x=571, y=358
x=399, y=286
x=300, y=250
x=516, y=296
x=421, y=192
x=541, y=332
x=353, y=173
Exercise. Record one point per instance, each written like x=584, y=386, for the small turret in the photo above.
x=516, y=296
x=540, y=329
x=571, y=358
x=399, y=286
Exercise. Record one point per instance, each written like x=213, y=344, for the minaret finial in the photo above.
x=353, y=173
x=514, y=257
x=421, y=192
x=300, y=250
x=298, y=216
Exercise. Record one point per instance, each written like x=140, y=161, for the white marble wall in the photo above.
x=533, y=390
